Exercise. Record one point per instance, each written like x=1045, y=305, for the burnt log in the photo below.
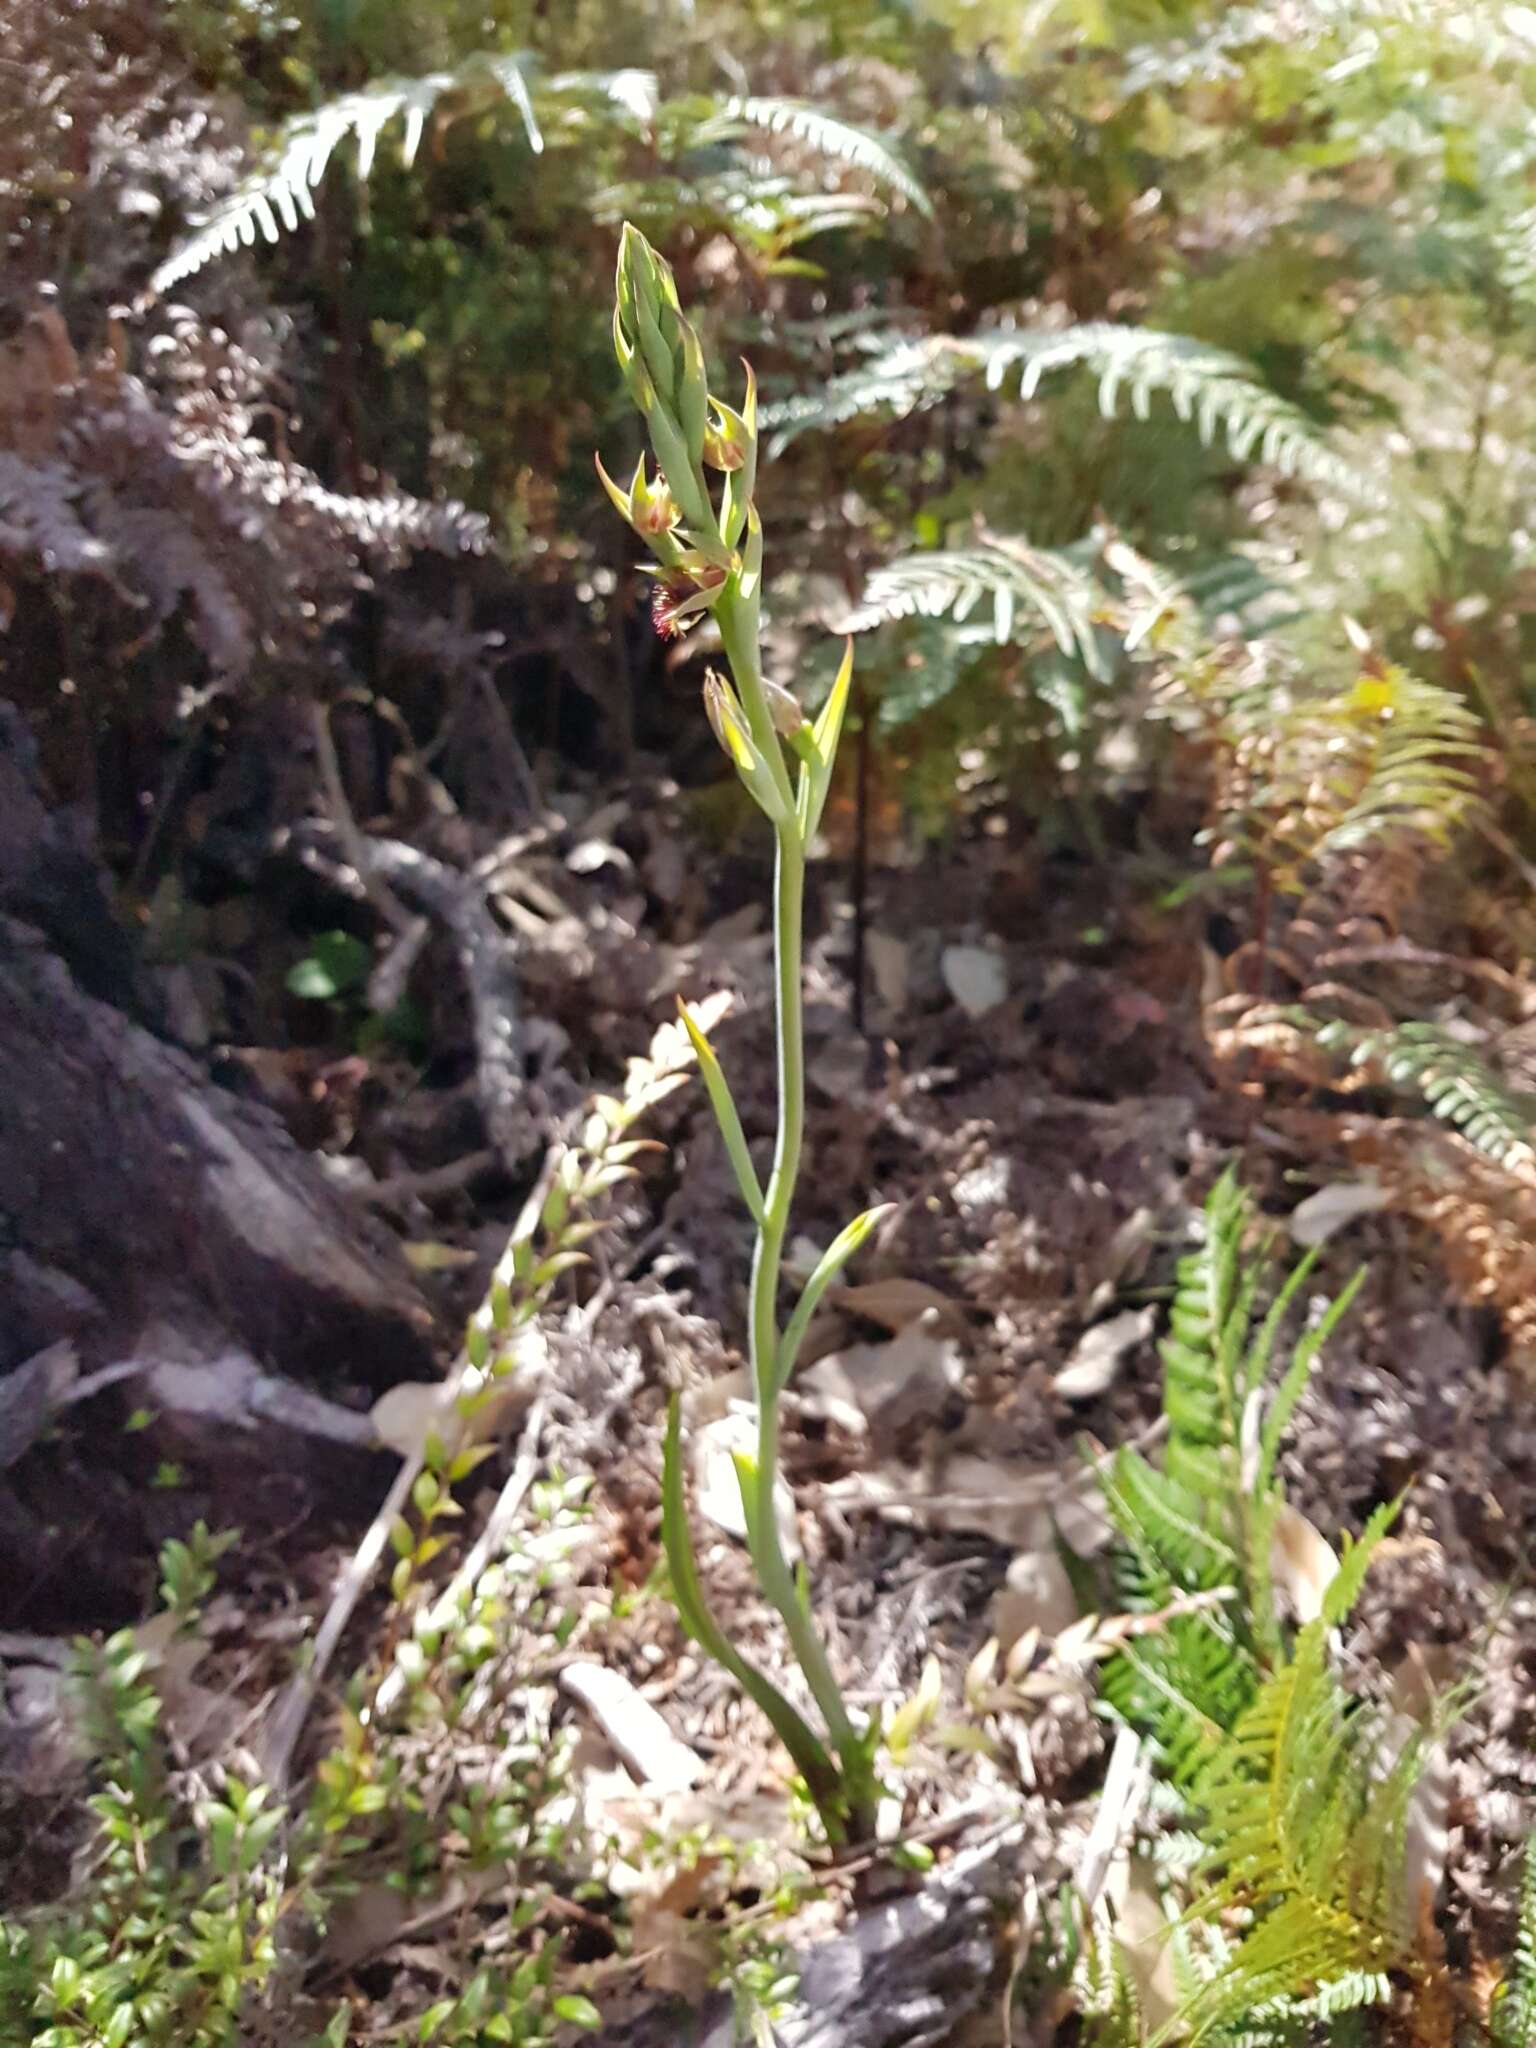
x=905, y=1974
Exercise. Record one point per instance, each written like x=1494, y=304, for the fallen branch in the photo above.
x=487, y=960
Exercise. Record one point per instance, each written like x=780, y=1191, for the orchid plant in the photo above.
x=708, y=545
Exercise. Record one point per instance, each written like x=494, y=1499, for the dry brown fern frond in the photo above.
x=157, y=490
x=1483, y=1216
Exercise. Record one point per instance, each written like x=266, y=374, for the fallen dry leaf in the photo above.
x=639, y=1735
x=717, y=1489
x=889, y=959
x=1037, y=1594
x=1302, y=1563
x=1323, y=1215
x=975, y=976
x=884, y=1388
x=404, y=1415
x=430, y=1255
x=1095, y=1362
x=1149, y=1955
x=895, y=1302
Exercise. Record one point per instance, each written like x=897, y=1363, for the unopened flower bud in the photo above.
x=721, y=453
x=723, y=712
x=663, y=366
x=784, y=709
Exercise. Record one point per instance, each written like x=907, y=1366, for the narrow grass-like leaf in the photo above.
x=726, y=1114
x=809, y=1755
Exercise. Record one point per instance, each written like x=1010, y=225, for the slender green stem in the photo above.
x=737, y=619
x=738, y=627
x=767, y=1265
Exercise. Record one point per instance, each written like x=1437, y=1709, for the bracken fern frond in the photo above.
x=280, y=191
x=831, y=137
x=1003, y=572
x=1459, y=1086
x=1209, y=388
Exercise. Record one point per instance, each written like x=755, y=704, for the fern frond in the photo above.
x=831, y=137
x=1293, y=1381
x=1008, y=574
x=1308, y=1835
x=1210, y=388
x=1415, y=735
x=904, y=374
x=634, y=92
x=1200, y=1391
x=1206, y=1522
x=1385, y=760
x=281, y=191
x=1216, y=392
x=1458, y=1086
x=1512, y=2020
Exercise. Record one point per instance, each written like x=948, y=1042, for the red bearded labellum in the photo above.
x=679, y=599
x=664, y=603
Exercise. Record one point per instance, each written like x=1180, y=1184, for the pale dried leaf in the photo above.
x=1095, y=1362
x=1125, y=1788
x=897, y=1301
x=430, y=1255
x=889, y=959
x=976, y=976
x=1142, y=1925
x=1323, y=1215
x=1037, y=1594
x=639, y=1735
x=1302, y=1563
x=718, y=1491
x=885, y=1387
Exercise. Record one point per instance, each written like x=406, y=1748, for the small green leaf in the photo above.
x=578, y=2012
x=335, y=964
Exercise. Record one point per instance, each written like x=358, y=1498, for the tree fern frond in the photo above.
x=832, y=137
x=1008, y=573
x=1459, y=1086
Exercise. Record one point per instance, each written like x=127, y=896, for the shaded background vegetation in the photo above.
x=1150, y=388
